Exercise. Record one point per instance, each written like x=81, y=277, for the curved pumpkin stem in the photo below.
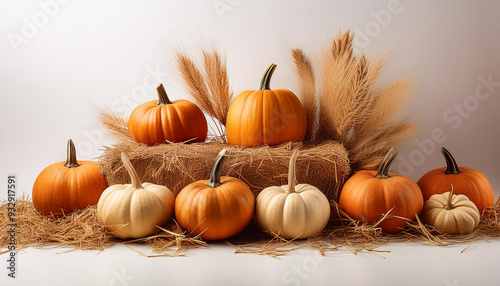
x=383, y=168
x=451, y=164
x=162, y=95
x=291, y=172
x=71, y=161
x=214, y=181
x=136, y=183
x=264, y=83
x=449, y=206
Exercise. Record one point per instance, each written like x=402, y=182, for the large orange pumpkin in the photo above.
x=368, y=195
x=265, y=116
x=64, y=187
x=217, y=208
x=465, y=181
x=157, y=121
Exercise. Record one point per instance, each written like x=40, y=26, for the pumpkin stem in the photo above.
x=291, y=172
x=383, y=168
x=449, y=206
x=71, y=155
x=162, y=95
x=214, y=181
x=451, y=164
x=264, y=84
x=136, y=181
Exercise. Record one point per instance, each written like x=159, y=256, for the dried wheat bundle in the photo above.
x=207, y=84
x=345, y=104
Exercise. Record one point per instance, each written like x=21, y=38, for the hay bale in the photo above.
x=323, y=164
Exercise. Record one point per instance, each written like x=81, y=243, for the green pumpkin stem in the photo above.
x=383, y=168
x=292, y=173
x=451, y=164
x=71, y=161
x=264, y=84
x=136, y=183
x=449, y=206
x=162, y=95
x=214, y=181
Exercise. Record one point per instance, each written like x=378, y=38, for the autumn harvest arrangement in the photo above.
x=266, y=170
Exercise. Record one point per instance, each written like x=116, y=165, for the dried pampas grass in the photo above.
x=352, y=108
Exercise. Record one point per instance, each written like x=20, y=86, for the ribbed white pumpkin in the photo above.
x=453, y=214
x=294, y=211
x=134, y=210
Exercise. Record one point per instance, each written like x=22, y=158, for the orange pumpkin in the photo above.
x=164, y=120
x=465, y=181
x=368, y=195
x=217, y=208
x=64, y=187
x=265, y=116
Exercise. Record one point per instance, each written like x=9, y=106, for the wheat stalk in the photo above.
x=208, y=87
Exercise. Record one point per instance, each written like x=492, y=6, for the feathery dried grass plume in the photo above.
x=208, y=86
x=307, y=91
x=115, y=124
x=352, y=109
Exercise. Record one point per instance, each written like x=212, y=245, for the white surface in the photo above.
x=218, y=265
x=100, y=52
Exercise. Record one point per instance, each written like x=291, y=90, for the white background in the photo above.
x=57, y=60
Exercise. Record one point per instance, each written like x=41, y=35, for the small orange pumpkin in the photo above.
x=368, y=195
x=217, y=208
x=465, y=181
x=64, y=187
x=164, y=120
x=265, y=116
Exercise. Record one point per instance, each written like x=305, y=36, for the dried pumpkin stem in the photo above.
x=383, y=168
x=291, y=172
x=449, y=206
x=451, y=164
x=162, y=95
x=266, y=79
x=136, y=183
x=71, y=161
x=214, y=181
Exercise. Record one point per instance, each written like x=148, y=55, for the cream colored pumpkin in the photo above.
x=294, y=211
x=134, y=210
x=450, y=213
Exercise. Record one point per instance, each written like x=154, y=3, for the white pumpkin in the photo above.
x=294, y=211
x=452, y=214
x=134, y=210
